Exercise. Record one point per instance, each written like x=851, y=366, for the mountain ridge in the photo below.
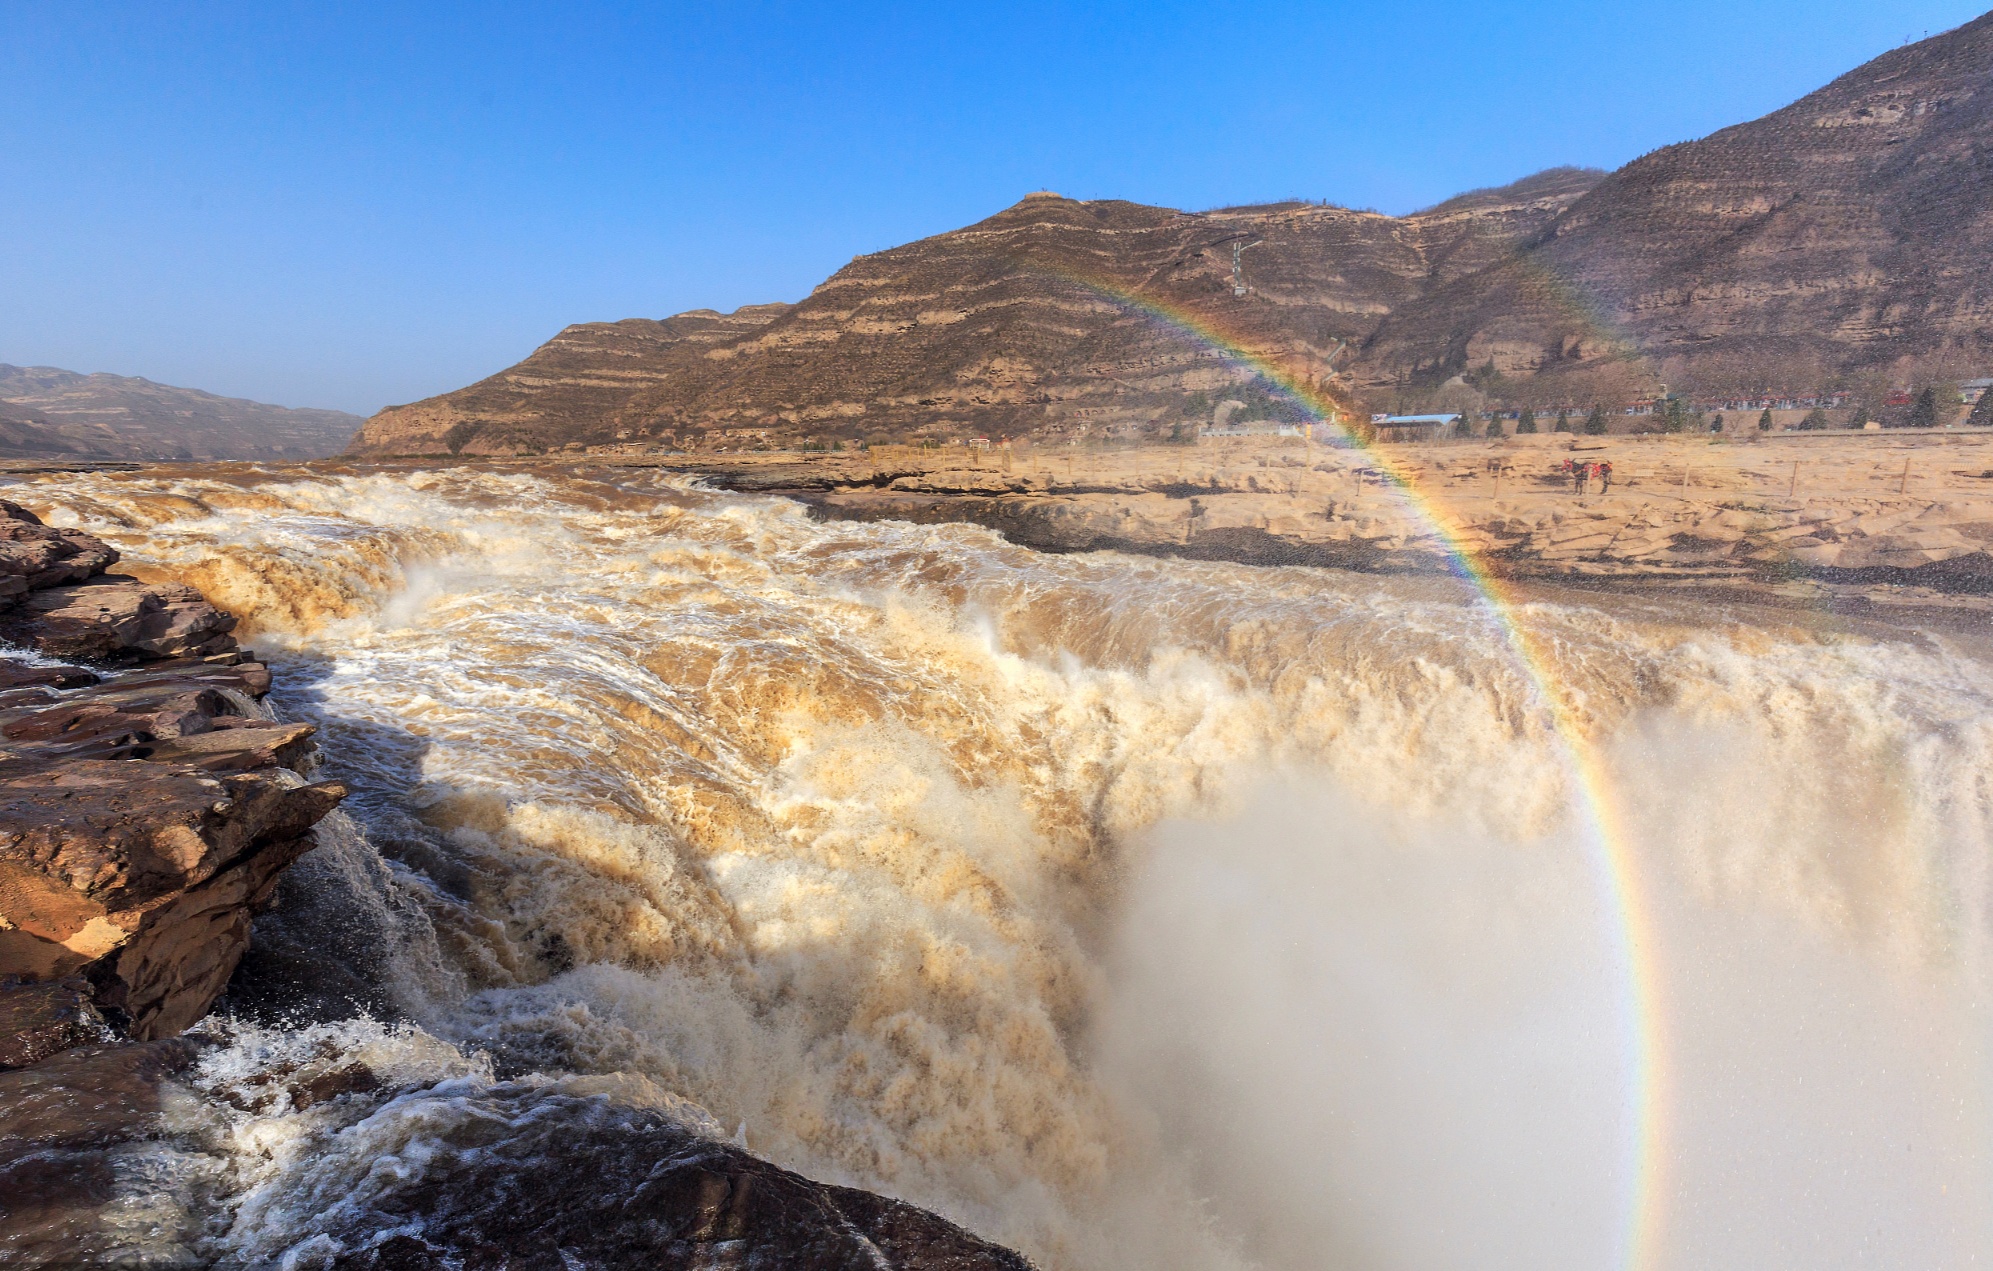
x=48, y=412
x=1843, y=240
x=1040, y=317
x=1843, y=236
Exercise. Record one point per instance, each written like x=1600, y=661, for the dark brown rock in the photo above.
x=179, y=960
x=611, y=1186
x=91, y=1097
x=240, y=746
x=18, y=675
x=61, y=1123
x=37, y=1020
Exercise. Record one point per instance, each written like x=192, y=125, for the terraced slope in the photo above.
x=1054, y=315
x=1850, y=232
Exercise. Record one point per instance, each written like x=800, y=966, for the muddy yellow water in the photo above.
x=1134, y=913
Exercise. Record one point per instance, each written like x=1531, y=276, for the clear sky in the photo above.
x=352, y=205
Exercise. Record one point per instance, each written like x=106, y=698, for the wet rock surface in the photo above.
x=118, y=619
x=588, y=1182
x=42, y=1019
x=34, y=555
x=134, y=851
x=67, y=1129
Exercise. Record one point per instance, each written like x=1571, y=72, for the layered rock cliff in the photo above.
x=143, y=816
x=1055, y=315
x=1849, y=231
x=1842, y=240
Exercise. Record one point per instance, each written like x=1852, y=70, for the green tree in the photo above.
x=1982, y=411
x=1526, y=422
x=1716, y=424
x=1815, y=420
x=1674, y=420
x=1563, y=421
x=1861, y=417
x=1595, y=422
x=1461, y=426
x=1924, y=413
x=1494, y=432
x=1765, y=420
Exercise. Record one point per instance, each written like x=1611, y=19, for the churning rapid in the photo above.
x=1132, y=913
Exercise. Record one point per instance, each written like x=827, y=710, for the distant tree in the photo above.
x=1982, y=411
x=1563, y=421
x=1462, y=426
x=1526, y=422
x=1673, y=418
x=1716, y=424
x=1861, y=418
x=1924, y=413
x=460, y=435
x=1765, y=420
x=1595, y=423
x=1815, y=420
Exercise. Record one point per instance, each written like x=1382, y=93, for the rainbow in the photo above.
x=1634, y=928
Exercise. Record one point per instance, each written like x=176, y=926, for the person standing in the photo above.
x=1605, y=475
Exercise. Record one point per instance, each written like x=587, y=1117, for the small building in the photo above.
x=1410, y=427
x=1972, y=390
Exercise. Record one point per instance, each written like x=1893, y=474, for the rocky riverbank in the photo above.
x=1892, y=507
x=149, y=806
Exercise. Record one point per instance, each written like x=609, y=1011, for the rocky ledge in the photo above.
x=1891, y=507
x=148, y=807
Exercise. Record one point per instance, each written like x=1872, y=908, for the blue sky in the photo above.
x=352, y=205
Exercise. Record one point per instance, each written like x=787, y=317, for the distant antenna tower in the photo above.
x=1238, y=275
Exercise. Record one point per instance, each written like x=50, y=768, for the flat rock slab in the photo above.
x=114, y=617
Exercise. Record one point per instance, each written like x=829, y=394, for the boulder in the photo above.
x=142, y=876
x=241, y=745
x=19, y=675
